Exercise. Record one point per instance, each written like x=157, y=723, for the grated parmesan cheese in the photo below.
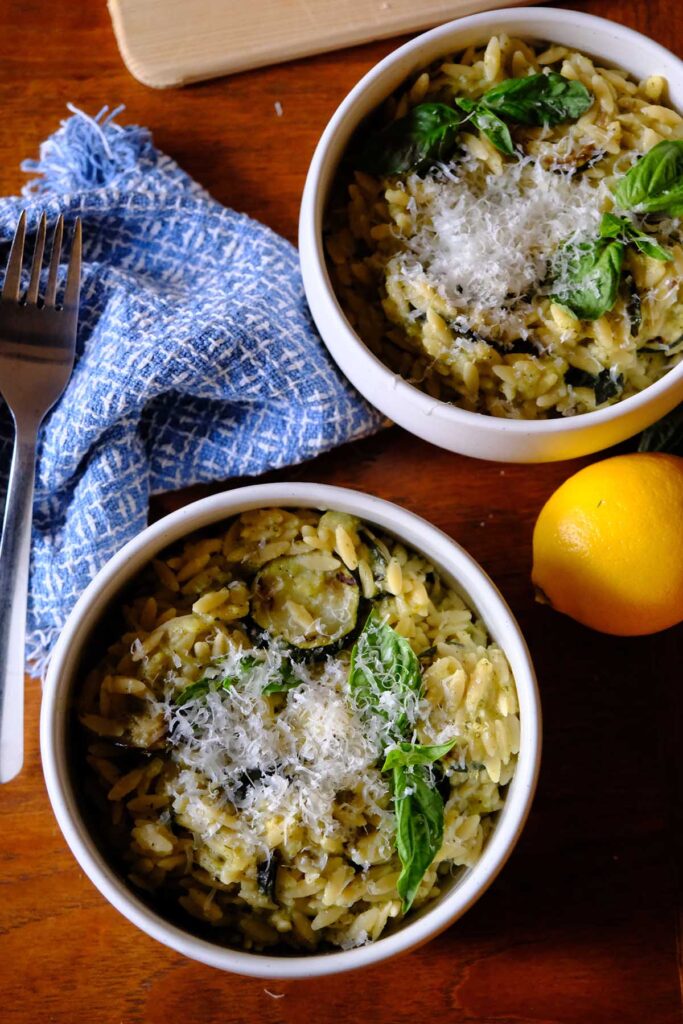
x=231, y=747
x=483, y=240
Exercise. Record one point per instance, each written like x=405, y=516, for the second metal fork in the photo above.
x=37, y=345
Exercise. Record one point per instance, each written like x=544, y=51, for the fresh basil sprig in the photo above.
x=589, y=281
x=539, y=99
x=384, y=676
x=385, y=680
x=536, y=100
x=621, y=229
x=428, y=132
x=489, y=124
x=419, y=812
x=426, y=135
x=655, y=183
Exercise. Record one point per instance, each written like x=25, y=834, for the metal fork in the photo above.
x=37, y=344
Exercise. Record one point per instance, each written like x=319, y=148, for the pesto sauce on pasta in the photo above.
x=448, y=272
x=242, y=777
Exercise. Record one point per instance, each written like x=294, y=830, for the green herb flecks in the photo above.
x=384, y=677
x=195, y=691
x=284, y=679
x=655, y=183
x=634, y=307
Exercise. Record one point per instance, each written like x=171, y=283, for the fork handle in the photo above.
x=14, y=564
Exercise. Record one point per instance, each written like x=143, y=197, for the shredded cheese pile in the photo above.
x=483, y=241
x=231, y=746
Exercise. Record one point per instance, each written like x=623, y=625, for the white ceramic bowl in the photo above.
x=485, y=437
x=457, y=566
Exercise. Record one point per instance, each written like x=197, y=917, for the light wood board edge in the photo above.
x=156, y=65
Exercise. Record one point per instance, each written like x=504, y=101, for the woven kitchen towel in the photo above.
x=197, y=359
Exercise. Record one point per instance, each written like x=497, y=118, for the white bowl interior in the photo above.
x=441, y=422
x=457, y=567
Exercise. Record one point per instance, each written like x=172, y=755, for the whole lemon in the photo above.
x=608, y=545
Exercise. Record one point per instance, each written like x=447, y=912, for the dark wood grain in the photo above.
x=581, y=927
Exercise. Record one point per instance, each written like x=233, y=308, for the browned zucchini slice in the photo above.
x=308, y=600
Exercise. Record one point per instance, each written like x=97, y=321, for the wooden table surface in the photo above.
x=582, y=925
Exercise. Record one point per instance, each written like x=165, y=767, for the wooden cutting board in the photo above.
x=172, y=42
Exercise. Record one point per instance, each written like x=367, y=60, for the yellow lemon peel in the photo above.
x=608, y=545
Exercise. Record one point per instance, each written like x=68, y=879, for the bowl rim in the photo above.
x=314, y=264
x=63, y=667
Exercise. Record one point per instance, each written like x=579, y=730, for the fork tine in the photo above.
x=10, y=289
x=51, y=290
x=32, y=293
x=73, y=277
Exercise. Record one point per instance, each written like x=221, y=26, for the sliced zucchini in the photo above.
x=309, y=600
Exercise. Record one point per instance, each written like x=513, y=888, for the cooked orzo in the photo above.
x=505, y=232
x=301, y=733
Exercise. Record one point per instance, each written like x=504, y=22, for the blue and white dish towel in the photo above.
x=197, y=359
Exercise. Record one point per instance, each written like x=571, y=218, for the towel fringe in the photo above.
x=87, y=152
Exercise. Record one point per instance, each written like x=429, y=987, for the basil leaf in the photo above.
x=649, y=248
x=407, y=754
x=194, y=691
x=425, y=136
x=612, y=226
x=655, y=183
x=495, y=130
x=287, y=679
x=589, y=283
x=247, y=663
x=419, y=811
x=604, y=384
x=203, y=686
x=666, y=435
x=623, y=230
x=384, y=676
x=539, y=99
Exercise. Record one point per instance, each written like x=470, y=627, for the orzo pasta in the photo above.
x=292, y=695
x=469, y=242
